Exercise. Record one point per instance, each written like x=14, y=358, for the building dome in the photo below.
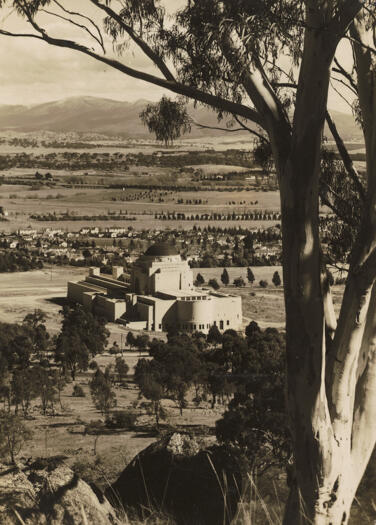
x=161, y=249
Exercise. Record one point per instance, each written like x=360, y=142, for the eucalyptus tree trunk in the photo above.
x=327, y=404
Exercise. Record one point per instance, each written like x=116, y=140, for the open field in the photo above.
x=23, y=292
x=64, y=433
x=141, y=205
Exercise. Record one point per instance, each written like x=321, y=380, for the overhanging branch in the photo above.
x=81, y=26
x=349, y=165
x=176, y=87
x=144, y=46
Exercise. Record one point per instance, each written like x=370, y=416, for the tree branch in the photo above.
x=228, y=130
x=156, y=59
x=22, y=35
x=362, y=44
x=345, y=73
x=174, y=86
x=81, y=26
x=232, y=130
x=347, y=161
x=342, y=216
x=260, y=91
x=350, y=88
x=74, y=13
x=258, y=135
x=340, y=95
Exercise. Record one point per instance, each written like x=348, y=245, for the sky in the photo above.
x=33, y=72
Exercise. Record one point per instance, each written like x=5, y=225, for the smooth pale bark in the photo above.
x=329, y=313
x=305, y=327
x=324, y=488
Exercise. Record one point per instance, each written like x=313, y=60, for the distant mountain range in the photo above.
x=113, y=117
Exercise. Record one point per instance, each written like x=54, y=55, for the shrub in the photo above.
x=277, y=279
x=125, y=419
x=93, y=365
x=213, y=283
x=199, y=280
x=13, y=435
x=78, y=391
x=238, y=282
x=94, y=427
x=263, y=283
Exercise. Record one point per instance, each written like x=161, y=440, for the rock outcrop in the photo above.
x=47, y=492
x=191, y=484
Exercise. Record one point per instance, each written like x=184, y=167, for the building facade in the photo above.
x=157, y=295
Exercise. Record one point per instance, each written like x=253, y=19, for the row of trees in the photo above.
x=238, y=281
x=233, y=216
x=18, y=261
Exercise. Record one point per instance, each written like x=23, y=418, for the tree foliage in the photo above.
x=82, y=336
x=13, y=434
x=167, y=119
x=250, y=276
x=225, y=277
x=255, y=419
x=276, y=279
x=102, y=392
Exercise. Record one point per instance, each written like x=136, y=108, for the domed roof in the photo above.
x=161, y=249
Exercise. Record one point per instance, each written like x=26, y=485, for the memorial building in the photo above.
x=158, y=293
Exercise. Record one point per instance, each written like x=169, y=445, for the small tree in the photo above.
x=23, y=389
x=252, y=329
x=13, y=434
x=82, y=335
x=214, y=335
x=250, y=276
x=142, y=342
x=124, y=419
x=214, y=284
x=225, y=277
x=149, y=383
x=276, y=280
x=167, y=119
x=248, y=242
x=263, y=283
x=121, y=369
x=35, y=324
x=115, y=349
x=78, y=391
x=239, y=282
x=102, y=394
x=45, y=387
x=59, y=378
x=131, y=340
x=199, y=280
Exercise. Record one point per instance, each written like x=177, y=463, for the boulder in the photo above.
x=47, y=492
x=177, y=476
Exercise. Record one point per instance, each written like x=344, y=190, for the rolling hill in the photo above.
x=113, y=117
